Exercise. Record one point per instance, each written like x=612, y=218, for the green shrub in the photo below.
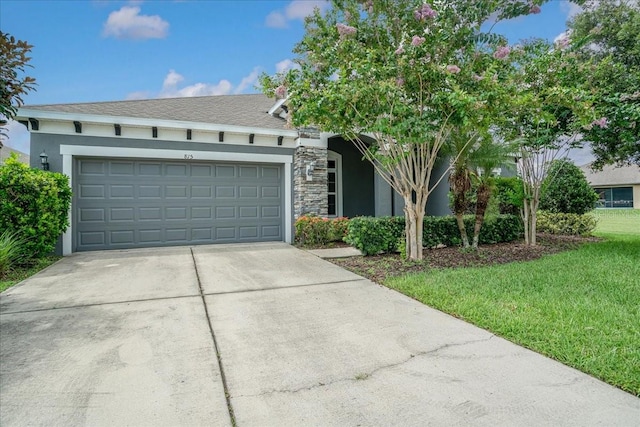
x=566, y=190
x=566, y=223
x=11, y=251
x=312, y=230
x=374, y=235
x=508, y=194
x=386, y=234
x=34, y=205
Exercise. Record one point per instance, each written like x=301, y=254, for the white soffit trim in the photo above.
x=152, y=153
x=160, y=123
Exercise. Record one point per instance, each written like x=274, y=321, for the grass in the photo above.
x=580, y=307
x=618, y=221
x=18, y=274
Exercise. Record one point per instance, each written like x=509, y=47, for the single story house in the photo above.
x=617, y=187
x=201, y=170
x=6, y=152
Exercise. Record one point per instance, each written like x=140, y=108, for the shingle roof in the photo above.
x=237, y=110
x=611, y=175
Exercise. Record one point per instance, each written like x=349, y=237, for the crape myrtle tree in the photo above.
x=613, y=52
x=406, y=72
x=13, y=84
x=547, y=116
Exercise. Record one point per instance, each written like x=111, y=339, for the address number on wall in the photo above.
x=188, y=156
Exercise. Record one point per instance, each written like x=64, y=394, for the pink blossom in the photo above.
x=534, y=9
x=417, y=40
x=400, y=81
x=563, y=41
x=477, y=78
x=601, y=122
x=453, y=69
x=281, y=92
x=502, y=52
x=425, y=12
x=369, y=6
x=399, y=51
x=345, y=30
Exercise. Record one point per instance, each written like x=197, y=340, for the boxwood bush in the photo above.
x=566, y=223
x=375, y=235
x=33, y=206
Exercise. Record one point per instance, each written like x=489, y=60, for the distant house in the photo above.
x=212, y=169
x=618, y=187
x=5, y=152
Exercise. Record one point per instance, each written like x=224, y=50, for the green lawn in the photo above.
x=618, y=221
x=21, y=273
x=580, y=307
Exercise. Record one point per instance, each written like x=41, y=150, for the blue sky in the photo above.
x=103, y=50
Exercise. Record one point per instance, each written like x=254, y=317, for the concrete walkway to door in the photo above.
x=264, y=334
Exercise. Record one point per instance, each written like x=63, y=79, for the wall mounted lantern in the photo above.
x=44, y=161
x=311, y=166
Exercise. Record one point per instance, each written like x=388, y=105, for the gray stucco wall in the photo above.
x=357, y=180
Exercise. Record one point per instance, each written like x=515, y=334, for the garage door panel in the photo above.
x=130, y=203
x=150, y=169
x=121, y=169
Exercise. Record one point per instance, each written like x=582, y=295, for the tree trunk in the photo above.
x=414, y=224
x=484, y=195
x=463, y=230
x=460, y=185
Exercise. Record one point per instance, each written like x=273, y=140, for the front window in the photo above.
x=332, y=188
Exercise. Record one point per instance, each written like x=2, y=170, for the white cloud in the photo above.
x=286, y=65
x=170, y=87
x=570, y=8
x=18, y=136
x=276, y=20
x=127, y=23
x=297, y=9
x=300, y=9
x=138, y=95
x=248, y=81
x=171, y=80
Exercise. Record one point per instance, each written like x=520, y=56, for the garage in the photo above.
x=134, y=203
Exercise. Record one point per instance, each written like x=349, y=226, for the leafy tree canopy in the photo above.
x=13, y=84
x=613, y=30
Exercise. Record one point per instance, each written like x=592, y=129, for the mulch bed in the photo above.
x=378, y=268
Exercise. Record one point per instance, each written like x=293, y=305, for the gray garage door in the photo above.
x=142, y=203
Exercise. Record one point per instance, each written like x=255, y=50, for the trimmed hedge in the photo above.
x=312, y=230
x=33, y=206
x=566, y=223
x=375, y=235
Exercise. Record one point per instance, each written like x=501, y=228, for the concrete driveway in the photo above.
x=264, y=334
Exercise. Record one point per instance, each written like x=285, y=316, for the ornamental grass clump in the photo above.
x=11, y=252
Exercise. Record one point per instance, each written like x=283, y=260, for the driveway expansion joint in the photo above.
x=276, y=288
x=216, y=348
x=98, y=304
x=366, y=375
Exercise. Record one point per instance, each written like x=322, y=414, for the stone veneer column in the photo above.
x=310, y=197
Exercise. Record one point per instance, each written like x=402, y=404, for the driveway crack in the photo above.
x=366, y=375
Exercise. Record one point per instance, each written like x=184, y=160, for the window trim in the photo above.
x=332, y=155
